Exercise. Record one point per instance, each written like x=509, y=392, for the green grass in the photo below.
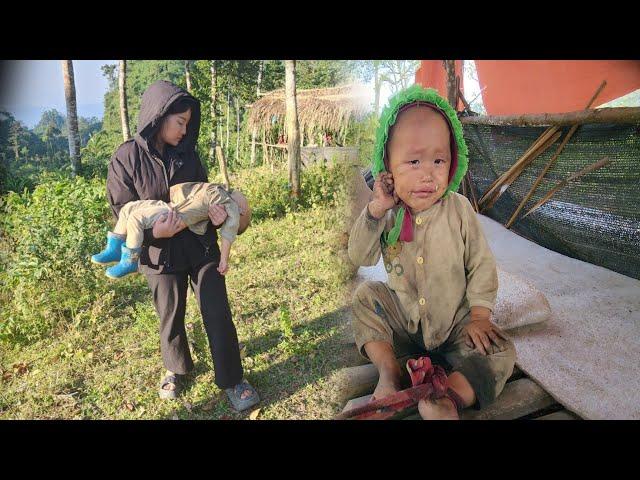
x=287, y=290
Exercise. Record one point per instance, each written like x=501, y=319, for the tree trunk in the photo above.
x=264, y=147
x=15, y=136
x=223, y=166
x=214, y=117
x=254, y=132
x=452, y=92
x=377, y=84
x=72, y=116
x=124, y=111
x=293, y=129
x=237, y=130
x=226, y=145
x=187, y=75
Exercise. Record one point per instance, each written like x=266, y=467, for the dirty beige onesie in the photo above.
x=433, y=282
x=190, y=200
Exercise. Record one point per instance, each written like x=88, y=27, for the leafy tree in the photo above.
x=236, y=89
x=398, y=74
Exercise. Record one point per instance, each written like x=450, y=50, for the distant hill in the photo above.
x=30, y=115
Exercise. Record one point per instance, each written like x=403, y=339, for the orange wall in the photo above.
x=552, y=86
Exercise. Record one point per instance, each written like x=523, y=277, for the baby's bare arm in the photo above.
x=225, y=251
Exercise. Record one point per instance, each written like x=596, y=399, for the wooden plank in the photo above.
x=520, y=397
x=561, y=415
x=353, y=382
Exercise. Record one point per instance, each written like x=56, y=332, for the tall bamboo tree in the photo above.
x=187, y=74
x=377, y=84
x=214, y=116
x=293, y=127
x=72, y=116
x=226, y=143
x=124, y=111
x=237, y=105
x=254, y=132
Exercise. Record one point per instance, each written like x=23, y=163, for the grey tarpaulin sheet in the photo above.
x=595, y=219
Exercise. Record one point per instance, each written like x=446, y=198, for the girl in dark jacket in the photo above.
x=163, y=154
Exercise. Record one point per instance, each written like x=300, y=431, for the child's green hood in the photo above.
x=413, y=94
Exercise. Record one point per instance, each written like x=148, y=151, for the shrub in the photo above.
x=269, y=192
x=45, y=274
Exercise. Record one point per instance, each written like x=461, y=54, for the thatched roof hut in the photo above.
x=320, y=110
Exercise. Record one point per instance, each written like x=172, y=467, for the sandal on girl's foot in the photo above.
x=235, y=396
x=170, y=380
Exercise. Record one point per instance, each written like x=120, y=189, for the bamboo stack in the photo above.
x=500, y=185
x=552, y=160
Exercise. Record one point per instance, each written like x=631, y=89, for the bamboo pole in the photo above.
x=464, y=186
x=496, y=183
x=468, y=174
x=473, y=195
x=516, y=173
x=551, y=162
x=621, y=115
x=590, y=168
x=464, y=100
x=506, y=179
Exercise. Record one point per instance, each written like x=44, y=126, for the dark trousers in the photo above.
x=170, y=299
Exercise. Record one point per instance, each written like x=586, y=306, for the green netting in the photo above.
x=595, y=218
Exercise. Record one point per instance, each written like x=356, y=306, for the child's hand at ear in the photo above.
x=481, y=333
x=384, y=196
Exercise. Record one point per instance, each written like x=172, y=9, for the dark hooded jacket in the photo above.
x=138, y=172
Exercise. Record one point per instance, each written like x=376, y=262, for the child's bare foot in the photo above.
x=388, y=383
x=384, y=389
x=438, y=409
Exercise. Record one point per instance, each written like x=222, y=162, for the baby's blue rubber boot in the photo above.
x=111, y=253
x=128, y=263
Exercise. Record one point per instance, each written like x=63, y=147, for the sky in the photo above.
x=30, y=87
